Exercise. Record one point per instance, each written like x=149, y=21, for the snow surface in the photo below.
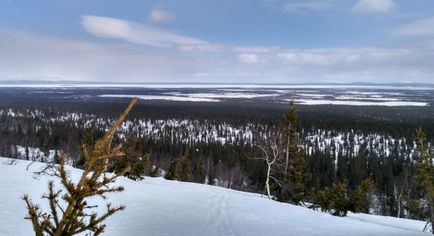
x=193, y=97
x=161, y=97
x=370, y=98
x=225, y=95
x=159, y=207
x=359, y=103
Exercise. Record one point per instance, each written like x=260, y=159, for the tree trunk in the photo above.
x=267, y=182
x=399, y=203
x=287, y=155
x=432, y=216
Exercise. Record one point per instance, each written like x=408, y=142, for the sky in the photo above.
x=218, y=41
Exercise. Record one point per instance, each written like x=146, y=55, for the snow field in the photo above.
x=159, y=207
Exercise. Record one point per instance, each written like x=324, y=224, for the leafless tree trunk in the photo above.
x=270, y=154
x=432, y=216
x=400, y=203
x=406, y=187
x=401, y=191
x=287, y=155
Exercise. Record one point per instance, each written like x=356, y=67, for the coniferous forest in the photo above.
x=333, y=158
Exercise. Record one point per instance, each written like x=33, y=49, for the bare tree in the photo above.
x=404, y=190
x=271, y=153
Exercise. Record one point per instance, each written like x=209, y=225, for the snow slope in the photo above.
x=159, y=207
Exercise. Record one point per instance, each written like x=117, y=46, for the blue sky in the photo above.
x=244, y=41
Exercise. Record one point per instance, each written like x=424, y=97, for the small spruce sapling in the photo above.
x=69, y=210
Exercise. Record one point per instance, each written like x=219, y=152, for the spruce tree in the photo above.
x=56, y=158
x=171, y=173
x=185, y=169
x=338, y=199
x=27, y=153
x=139, y=167
x=136, y=160
x=298, y=178
x=425, y=174
x=334, y=199
x=359, y=200
x=199, y=170
x=292, y=170
x=69, y=211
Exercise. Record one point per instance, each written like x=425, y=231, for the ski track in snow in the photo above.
x=159, y=207
x=219, y=216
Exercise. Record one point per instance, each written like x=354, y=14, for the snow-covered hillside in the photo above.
x=159, y=207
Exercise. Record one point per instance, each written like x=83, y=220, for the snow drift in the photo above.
x=159, y=207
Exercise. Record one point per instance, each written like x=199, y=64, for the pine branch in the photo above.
x=52, y=199
x=33, y=214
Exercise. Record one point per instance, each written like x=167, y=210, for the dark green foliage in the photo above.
x=334, y=199
x=299, y=177
x=184, y=171
x=136, y=160
x=199, y=170
x=338, y=200
x=425, y=175
x=172, y=173
x=359, y=201
x=292, y=172
x=138, y=168
x=179, y=169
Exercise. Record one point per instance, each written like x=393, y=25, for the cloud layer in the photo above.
x=423, y=27
x=259, y=44
x=113, y=28
x=159, y=15
x=27, y=55
x=376, y=6
x=306, y=5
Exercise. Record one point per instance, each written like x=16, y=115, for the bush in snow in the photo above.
x=338, y=200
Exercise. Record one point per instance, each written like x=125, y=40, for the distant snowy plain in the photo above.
x=386, y=95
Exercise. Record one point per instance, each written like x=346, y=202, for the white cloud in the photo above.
x=27, y=55
x=254, y=49
x=320, y=57
x=300, y=5
x=202, y=47
x=159, y=15
x=351, y=58
x=306, y=5
x=248, y=58
x=424, y=27
x=374, y=6
x=106, y=27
